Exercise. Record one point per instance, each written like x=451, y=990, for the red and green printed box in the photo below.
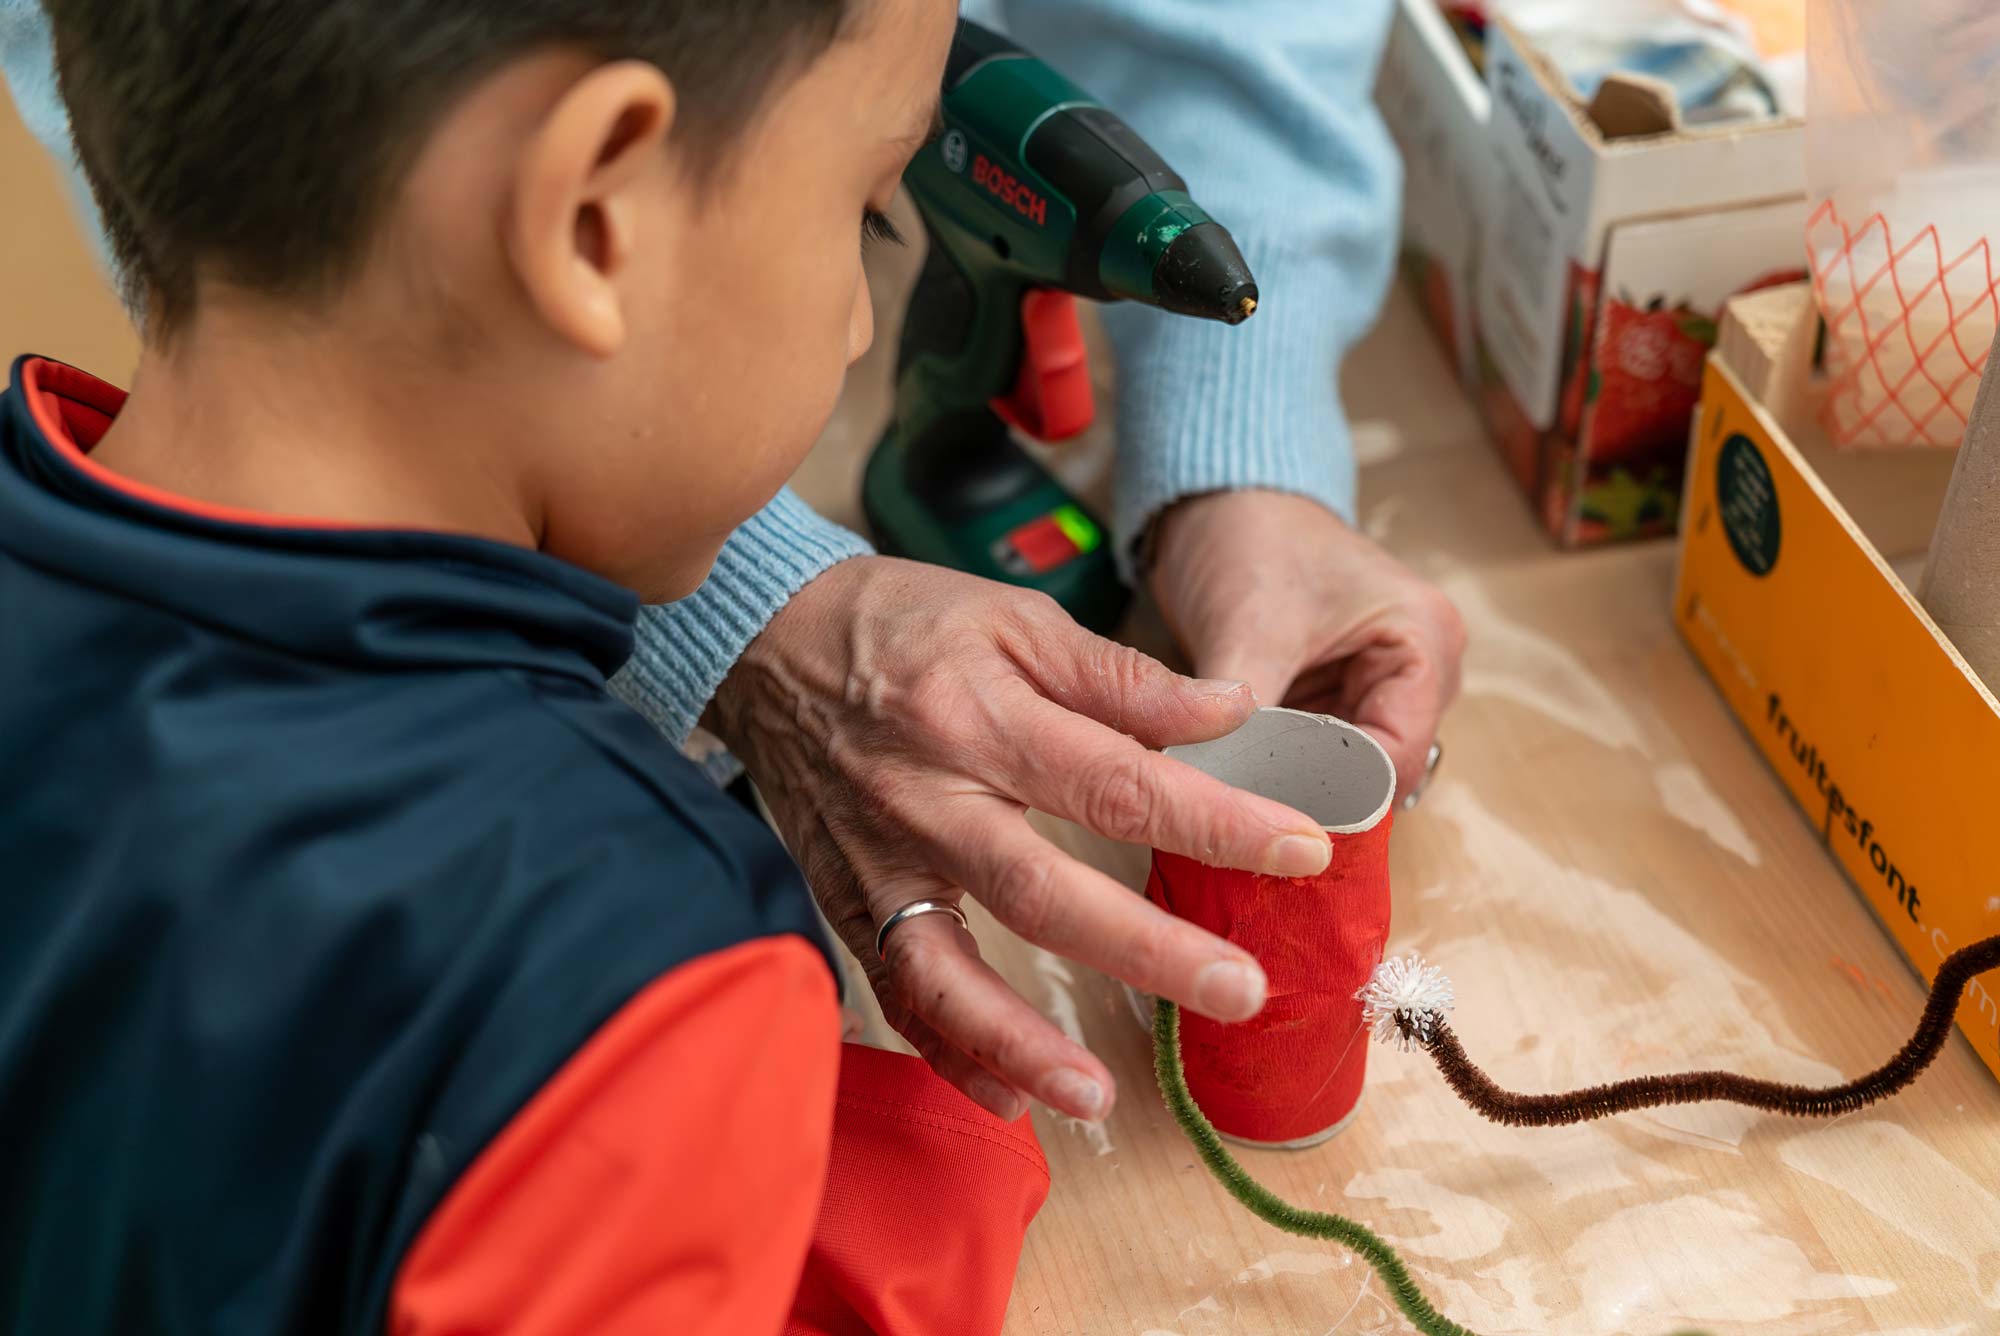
x=1609, y=237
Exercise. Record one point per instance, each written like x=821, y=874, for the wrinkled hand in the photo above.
x=1279, y=592
x=899, y=720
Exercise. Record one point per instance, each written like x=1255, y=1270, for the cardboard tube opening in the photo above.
x=1332, y=771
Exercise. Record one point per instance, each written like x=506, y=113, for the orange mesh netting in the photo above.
x=1907, y=329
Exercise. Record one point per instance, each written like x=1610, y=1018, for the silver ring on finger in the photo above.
x=916, y=909
x=1431, y=760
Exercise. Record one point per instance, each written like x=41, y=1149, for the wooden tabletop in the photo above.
x=1615, y=884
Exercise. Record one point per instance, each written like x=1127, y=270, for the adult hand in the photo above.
x=1278, y=591
x=899, y=719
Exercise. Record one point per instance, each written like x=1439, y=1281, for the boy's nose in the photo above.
x=860, y=323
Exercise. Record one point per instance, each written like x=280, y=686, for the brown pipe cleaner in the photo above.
x=1406, y=999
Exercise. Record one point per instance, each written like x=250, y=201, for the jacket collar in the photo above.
x=393, y=598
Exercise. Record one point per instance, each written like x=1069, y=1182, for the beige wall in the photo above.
x=54, y=299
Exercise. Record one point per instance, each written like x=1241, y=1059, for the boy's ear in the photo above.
x=574, y=216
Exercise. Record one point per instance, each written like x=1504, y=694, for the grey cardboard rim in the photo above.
x=1325, y=767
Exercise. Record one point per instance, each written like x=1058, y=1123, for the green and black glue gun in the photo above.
x=1032, y=195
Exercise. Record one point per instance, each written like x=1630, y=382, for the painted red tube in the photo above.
x=1292, y=1075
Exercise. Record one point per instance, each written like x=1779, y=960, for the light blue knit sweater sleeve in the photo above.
x=685, y=649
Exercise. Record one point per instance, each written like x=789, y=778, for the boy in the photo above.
x=364, y=966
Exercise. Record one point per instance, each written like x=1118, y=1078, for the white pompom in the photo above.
x=1404, y=1000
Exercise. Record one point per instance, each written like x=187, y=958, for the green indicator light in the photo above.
x=1076, y=526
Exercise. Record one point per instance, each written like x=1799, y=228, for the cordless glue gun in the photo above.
x=1033, y=195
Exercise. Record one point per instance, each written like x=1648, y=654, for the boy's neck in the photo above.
x=289, y=417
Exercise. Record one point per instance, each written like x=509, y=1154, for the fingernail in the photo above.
x=1298, y=856
x=1229, y=990
x=995, y=1096
x=1074, y=1093
x=1222, y=688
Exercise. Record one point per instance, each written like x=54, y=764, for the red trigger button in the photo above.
x=1051, y=399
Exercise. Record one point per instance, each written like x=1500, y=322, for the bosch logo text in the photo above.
x=1005, y=188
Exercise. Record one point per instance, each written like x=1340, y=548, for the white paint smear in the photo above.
x=1690, y=801
x=1598, y=1165
x=1059, y=1005
x=1207, y=1305
x=1296, y=1263
x=1460, y=1228
x=1907, y=1185
x=1376, y=441
x=1703, y=1259
x=1507, y=660
x=1381, y=518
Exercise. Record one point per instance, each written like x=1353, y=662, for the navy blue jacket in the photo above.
x=320, y=851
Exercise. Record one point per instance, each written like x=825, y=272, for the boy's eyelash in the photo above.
x=875, y=226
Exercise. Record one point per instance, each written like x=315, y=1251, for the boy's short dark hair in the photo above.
x=258, y=139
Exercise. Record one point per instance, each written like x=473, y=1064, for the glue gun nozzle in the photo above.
x=1203, y=274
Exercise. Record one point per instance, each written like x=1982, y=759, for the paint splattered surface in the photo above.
x=1615, y=884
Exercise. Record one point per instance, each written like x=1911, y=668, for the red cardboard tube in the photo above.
x=1291, y=1076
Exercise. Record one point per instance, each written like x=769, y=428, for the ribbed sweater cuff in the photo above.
x=684, y=650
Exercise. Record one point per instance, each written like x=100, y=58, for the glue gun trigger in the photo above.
x=1052, y=398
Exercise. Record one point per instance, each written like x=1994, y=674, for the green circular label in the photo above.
x=1748, y=502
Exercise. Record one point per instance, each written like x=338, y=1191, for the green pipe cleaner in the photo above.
x=1273, y=1209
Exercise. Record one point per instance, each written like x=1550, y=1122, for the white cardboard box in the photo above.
x=1574, y=259
x=1436, y=107
x=1561, y=187
x=1613, y=238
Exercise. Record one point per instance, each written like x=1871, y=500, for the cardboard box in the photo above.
x=1789, y=595
x=1436, y=107
x=1573, y=258
x=1614, y=238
